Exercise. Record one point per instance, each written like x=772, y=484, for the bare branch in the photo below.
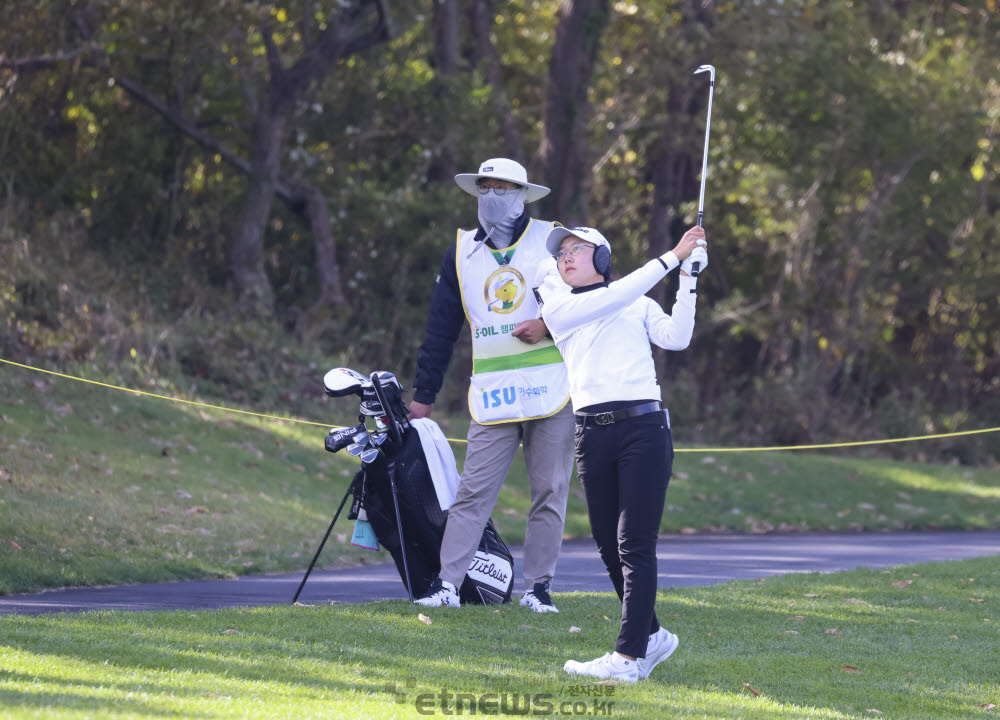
x=277, y=70
x=284, y=188
x=43, y=62
x=249, y=92
x=352, y=32
x=632, y=124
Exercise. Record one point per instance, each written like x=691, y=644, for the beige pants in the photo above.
x=548, y=455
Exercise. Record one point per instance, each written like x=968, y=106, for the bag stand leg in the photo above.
x=350, y=491
x=399, y=527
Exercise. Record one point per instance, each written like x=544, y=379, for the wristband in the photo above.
x=669, y=261
x=691, y=281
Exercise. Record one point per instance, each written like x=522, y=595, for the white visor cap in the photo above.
x=558, y=234
x=502, y=169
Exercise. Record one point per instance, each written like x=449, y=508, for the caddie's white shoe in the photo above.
x=611, y=666
x=538, y=599
x=441, y=593
x=661, y=645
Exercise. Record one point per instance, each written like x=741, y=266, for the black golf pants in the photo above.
x=624, y=469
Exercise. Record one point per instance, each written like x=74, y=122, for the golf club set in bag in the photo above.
x=400, y=499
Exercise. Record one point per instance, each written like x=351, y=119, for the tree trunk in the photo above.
x=331, y=291
x=566, y=109
x=246, y=250
x=481, y=15
x=673, y=174
x=351, y=31
x=301, y=197
x=444, y=58
x=356, y=26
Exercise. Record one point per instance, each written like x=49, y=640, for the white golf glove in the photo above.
x=698, y=255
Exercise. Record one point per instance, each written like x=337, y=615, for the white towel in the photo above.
x=440, y=460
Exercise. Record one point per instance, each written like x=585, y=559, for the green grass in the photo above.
x=910, y=642
x=761, y=492
x=103, y=487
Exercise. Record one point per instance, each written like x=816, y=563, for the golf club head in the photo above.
x=362, y=438
x=369, y=455
x=339, y=438
x=378, y=438
x=384, y=432
x=389, y=379
x=706, y=68
x=355, y=449
x=386, y=399
x=344, y=381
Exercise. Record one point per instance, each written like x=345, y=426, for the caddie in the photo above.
x=518, y=392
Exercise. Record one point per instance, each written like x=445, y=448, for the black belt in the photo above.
x=607, y=418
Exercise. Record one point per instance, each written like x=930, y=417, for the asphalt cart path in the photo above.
x=684, y=560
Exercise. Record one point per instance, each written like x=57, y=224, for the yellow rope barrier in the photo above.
x=843, y=444
x=164, y=397
x=820, y=446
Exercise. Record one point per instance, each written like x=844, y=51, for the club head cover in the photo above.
x=344, y=381
x=339, y=438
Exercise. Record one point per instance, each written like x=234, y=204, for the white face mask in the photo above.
x=493, y=208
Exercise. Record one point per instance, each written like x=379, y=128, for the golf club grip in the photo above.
x=393, y=430
x=696, y=266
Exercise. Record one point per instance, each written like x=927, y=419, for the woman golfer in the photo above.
x=624, y=452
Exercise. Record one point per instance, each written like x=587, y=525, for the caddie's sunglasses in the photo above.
x=499, y=191
x=573, y=251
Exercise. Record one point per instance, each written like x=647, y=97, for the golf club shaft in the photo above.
x=696, y=266
x=397, y=438
x=390, y=415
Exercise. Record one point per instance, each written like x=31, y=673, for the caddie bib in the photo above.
x=511, y=380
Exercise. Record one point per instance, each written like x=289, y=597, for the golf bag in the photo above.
x=396, y=490
x=489, y=580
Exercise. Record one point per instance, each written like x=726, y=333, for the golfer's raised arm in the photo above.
x=673, y=331
x=564, y=312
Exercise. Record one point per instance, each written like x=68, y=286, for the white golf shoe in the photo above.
x=538, y=599
x=440, y=594
x=611, y=666
x=661, y=645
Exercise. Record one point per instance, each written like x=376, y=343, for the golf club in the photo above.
x=710, y=69
x=339, y=438
x=344, y=381
x=397, y=440
x=403, y=484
